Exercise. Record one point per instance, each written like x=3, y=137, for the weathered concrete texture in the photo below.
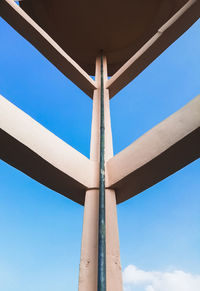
x=31, y=31
x=113, y=265
x=89, y=247
x=160, y=152
x=31, y=148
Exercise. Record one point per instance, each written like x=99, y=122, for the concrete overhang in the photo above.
x=71, y=34
x=83, y=28
x=120, y=29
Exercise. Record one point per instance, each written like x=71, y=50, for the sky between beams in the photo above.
x=40, y=230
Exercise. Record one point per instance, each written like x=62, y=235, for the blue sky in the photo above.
x=40, y=230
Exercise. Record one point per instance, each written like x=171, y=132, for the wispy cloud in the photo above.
x=139, y=280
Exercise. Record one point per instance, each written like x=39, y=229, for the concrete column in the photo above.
x=88, y=262
x=113, y=266
x=89, y=248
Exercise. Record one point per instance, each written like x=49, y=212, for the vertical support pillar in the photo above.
x=89, y=247
x=113, y=266
x=89, y=250
x=102, y=206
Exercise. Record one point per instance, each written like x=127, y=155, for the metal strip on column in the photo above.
x=102, y=223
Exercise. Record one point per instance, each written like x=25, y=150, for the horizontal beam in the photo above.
x=32, y=149
x=165, y=36
x=160, y=152
x=23, y=24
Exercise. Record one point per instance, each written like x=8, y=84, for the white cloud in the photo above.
x=139, y=280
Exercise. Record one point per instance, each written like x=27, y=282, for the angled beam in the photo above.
x=160, y=152
x=32, y=149
x=23, y=24
x=165, y=36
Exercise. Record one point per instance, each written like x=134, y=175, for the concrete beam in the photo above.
x=32, y=149
x=32, y=32
x=160, y=152
x=165, y=36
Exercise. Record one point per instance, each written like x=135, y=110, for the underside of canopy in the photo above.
x=119, y=28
